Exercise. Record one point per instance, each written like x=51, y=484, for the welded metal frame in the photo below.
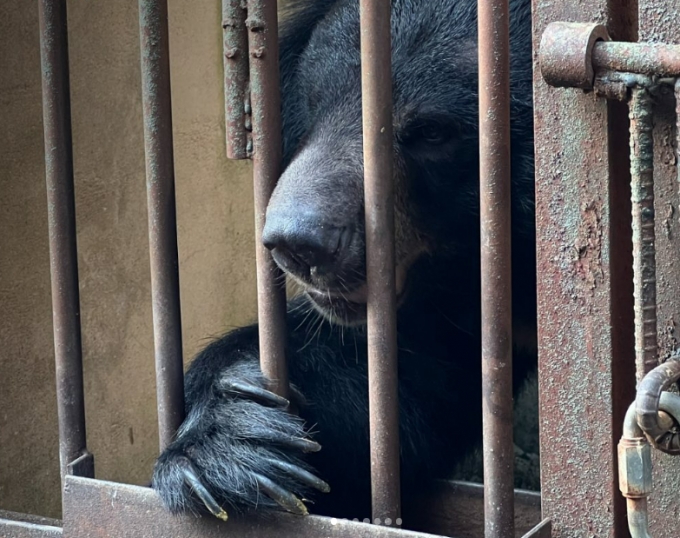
x=253, y=125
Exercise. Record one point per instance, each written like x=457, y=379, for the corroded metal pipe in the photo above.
x=635, y=474
x=263, y=42
x=376, y=76
x=160, y=189
x=648, y=402
x=653, y=417
x=62, y=233
x=495, y=213
x=644, y=250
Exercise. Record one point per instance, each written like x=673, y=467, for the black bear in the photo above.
x=240, y=448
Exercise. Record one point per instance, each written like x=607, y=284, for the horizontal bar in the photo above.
x=62, y=231
x=160, y=189
x=376, y=74
x=262, y=26
x=496, y=257
x=98, y=509
x=17, y=525
x=643, y=58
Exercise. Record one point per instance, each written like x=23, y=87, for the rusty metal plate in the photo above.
x=584, y=286
x=13, y=525
x=98, y=509
x=658, y=23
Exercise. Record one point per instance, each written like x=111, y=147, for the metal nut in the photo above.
x=635, y=468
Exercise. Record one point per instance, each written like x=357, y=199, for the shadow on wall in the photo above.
x=214, y=204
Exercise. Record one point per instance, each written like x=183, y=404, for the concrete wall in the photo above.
x=215, y=236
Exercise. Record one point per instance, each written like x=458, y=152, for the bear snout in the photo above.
x=306, y=246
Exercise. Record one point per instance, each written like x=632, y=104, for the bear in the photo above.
x=243, y=449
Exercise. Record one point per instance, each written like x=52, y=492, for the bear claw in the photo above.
x=258, y=394
x=284, y=498
x=192, y=480
x=302, y=475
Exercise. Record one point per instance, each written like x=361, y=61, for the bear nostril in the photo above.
x=289, y=262
x=299, y=243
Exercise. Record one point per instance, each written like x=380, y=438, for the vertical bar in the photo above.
x=62, y=232
x=494, y=149
x=262, y=24
x=160, y=189
x=677, y=130
x=376, y=87
x=235, y=77
x=644, y=250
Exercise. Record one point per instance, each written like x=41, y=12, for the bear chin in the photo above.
x=338, y=309
x=349, y=309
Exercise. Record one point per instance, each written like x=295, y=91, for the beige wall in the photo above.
x=215, y=235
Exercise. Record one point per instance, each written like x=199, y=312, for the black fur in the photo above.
x=229, y=438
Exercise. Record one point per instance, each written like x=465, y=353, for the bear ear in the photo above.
x=297, y=21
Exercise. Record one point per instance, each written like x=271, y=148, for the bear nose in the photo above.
x=301, y=242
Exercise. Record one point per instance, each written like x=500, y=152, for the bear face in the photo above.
x=315, y=219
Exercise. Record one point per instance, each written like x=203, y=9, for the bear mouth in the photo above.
x=349, y=307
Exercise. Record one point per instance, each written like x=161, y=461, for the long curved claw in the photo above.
x=299, y=443
x=284, y=498
x=258, y=394
x=192, y=480
x=301, y=475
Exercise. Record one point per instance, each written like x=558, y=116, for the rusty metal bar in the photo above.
x=572, y=54
x=16, y=525
x=160, y=188
x=494, y=149
x=236, y=107
x=62, y=232
x=262, y=24
x=644, y=254
x=138, y=512
x=542, y=530
x=23, y=529
x=657, y=59
x=677, y=128
x=376, y=76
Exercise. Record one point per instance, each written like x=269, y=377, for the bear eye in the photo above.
x=429, y=134
x=433, y=134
